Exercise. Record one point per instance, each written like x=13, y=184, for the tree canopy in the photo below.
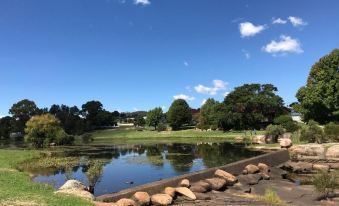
x=319, y=98
x=21, y=112
x=154, y=117
x=252, y=106
x=179, y=114
x=209, y=115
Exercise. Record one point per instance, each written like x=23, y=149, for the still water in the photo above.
x=126, y=166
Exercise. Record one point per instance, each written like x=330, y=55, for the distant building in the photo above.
x=296, y=116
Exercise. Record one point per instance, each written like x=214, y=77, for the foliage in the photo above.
x=271, y=196
x=21, y=112
x=179, y=114
x=5, y=127
x=252, y=106
x=94, y=172
x=44, y=129
x=96, y=117
x=17, y=187
x=332, y=131
x=161, y=127
x=325, y=183
x=286, y=122
x=274, y=130
x=319, y=99
x=312, y=133
x=139, y=121
x=209, y=115
x=154, y=117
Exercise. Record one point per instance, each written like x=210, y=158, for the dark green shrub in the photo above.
x=287, y=122
x=273, y=132
x=325, y=183
x=332, y=131
x=312, y=133
x=161, y=127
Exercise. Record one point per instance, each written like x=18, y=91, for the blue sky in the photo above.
x=139, y=54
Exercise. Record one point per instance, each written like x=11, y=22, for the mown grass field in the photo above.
x=16, y=188
x=130, y=135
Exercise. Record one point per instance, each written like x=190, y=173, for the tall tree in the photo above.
x=252, y=106
x=154, y=117
x=319, y=99
x=5, y=127
x=208, y=115
x=21, y=112
x=179, y=114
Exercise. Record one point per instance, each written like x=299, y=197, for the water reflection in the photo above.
x=109, y=169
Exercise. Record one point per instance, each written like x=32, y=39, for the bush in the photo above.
x=161, y=127
x=274, y=131
x=44, y=129
x=312, y=133
x=332, y=131
x=325, y=182
x=271, y=196
x=286, y=122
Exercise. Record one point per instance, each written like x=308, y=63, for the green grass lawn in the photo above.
x=130, y=135
x=16, y=188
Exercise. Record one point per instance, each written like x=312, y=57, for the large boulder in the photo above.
x=230, y=179
x=216, y=183
x=200, y=187
x=285, y=143
x=251, y=169
x=78, y=193
x=333, y=152
x=264, y=168
x=322, y=167
x=259, y=139
x=142, y=198
x=298, y=167
x=250, y=179
x=239, y=139
x=170, y=191
x=125, y=202
x=186, y=192
x=313, y=151
x=73, y=185
x=184, y=183
x=161, y=199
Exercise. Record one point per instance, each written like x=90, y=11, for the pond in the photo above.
x=110, y=169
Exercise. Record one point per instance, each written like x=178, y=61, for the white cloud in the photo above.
x=279, y=21
x=163, y=107
x=186, y=63
x=184, y=97
x=246, y=53
x=226, y=93
x=297, y=21
x=142, y=2
x=248, y=29
x=285, y=45
x=135, y=109
x=218, y=85
x=203, y=102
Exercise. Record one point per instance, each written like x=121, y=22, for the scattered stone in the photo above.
x=104, y=204
x=125, y=202
x=285, y=143
x=200, y=187
x=264, y=176
x=264, y=168
x=333, y=152
x=161, y=199
x=184, y=183
x=186, y=192
x=75, y=192
x=242, y=188
x=244, y=172
x=250, y=179
x=251, y=169
x=309, y=150
x=259, y=139
x=334, y=166
x=142, y=198
x=216, y=183
x=322, y=167
x=230, y=179
x=202, y=196
x=298, y=167
x=73, y=185
x=170, y=191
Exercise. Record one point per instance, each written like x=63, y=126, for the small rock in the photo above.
x=230, y=179
x=322, y=167
x=264, y=176
x=238, y=139
x=244, y=172
x=216, y=183
x=334, y=166
x=75, y=192
x=333, y=152
x=184, y=183
x=186, y=192
x=125, y=202
x=73, y=185
x=285, y=143
x=251, y=169
x=264, y=168
x=170, y=191
x=161, y=199
x=200, y=187
x=250, y=179
x=202, y=196
x=259, y=139
x=142, y=198
x=240, y=187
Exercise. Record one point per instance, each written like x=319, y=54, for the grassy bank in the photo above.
x=16, y=187
x=130, y=135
